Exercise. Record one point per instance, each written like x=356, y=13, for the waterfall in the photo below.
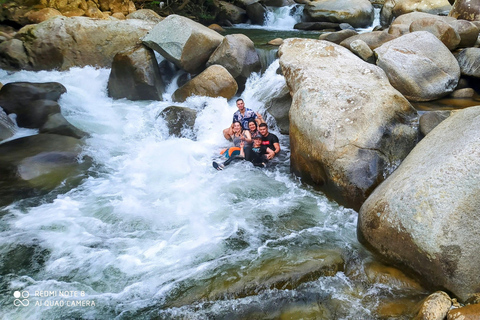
x=283, y=18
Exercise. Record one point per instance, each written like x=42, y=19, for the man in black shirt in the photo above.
x=270, y=140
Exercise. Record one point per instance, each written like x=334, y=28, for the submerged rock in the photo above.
x=7, y=127
x=425, y=215
x=178, y=119
x=38, y=163
x=434, y=307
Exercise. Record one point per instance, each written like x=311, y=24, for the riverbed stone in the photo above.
x=39, y=162
x=440, y=29
x=348, y=133
x=61, y=42
x=135, y=75
x=278, y=106
x=42, y=15
x=215, y=81
x=432, y=71
x=57, y=124
x=361, y=49
x=467, y=31
x=468, y=312
x=434, y=307
x=7, y=127
x=13, y=55
x=378, y=273
x=358, y=13
x=178, y=119
x=468, y=61
x=145, y=14
x=466, y=9
x=232, y=13
x=238, y=55
x=373, y=39
x=338, y=36
x=424, y=216
x=395, y=8
x=184, y=42
x=430, y=119
x=256, y=13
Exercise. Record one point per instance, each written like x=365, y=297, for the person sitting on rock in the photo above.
x=242, y=115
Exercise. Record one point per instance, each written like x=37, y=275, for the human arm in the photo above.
x=242, y=152
x=269, y=153
x=248, y=136
x=277, y=148
x=259, y=118
x=228, y=132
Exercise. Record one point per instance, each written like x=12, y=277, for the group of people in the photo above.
x=250, y=137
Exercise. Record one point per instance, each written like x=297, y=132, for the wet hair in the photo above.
x=239, y=99
x=255, y=122
x=263, y=125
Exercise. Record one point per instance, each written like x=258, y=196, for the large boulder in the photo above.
x=467, y=31
x=466, y=9
x=215, y=81
x=338, y=36
x=256, y=12
x=238, y=55
x=231, y=13
x=61, y=42
x=358, y=13
x=31, y=102
x=184, y=42
x=40, y=162
x=395, y=8
x=425, y=215
x=419, y=66
x=13, y=55
x=440, y=29
x=145, y=14
x=135, y=75
x=349, y=128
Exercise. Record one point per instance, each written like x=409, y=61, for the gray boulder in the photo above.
x=238, y=55
x=440, y=29
x=13, y=55
x=61, y=42
x=373, y=39
x=40, y=162
x=256, y=13
x=278, y=107
x=339, y=36
x=349, y=132
x=468, y=61
x=358, y=13
x=425, y=215
x=430, y=119
x=31, y=102
x=57, y=124
x=184, y=42
x=467, y=31
x=395, y=8
x=135, y=75
x=419, y=65
x=179, y=119
x=232, y=13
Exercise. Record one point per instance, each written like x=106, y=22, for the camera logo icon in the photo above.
x=21, y=298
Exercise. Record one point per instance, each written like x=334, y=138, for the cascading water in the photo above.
x=283, y=18
x=155, y=232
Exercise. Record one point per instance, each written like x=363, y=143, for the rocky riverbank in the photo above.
x=354, y=133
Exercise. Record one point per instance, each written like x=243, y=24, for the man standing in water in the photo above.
x=242, y=115
x=270, y=140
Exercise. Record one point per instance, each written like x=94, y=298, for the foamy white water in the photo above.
x=154, y=224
